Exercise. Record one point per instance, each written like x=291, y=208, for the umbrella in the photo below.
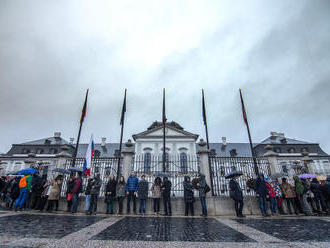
x=234, y=174
x=75, y=169
x=306, y=176
x=28, y=171
x=60, y=170
x=278, y=175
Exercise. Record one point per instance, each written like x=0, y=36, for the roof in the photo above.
x=242, y=149
x=107, y=151
x=51, y=140
x=282, y=140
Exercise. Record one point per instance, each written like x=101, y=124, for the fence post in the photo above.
x=272, y=159
x=128, y=155
x=203, y=154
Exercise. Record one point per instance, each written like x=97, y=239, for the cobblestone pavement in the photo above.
x=32, y=229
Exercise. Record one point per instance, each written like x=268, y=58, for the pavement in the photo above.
x=34, y=229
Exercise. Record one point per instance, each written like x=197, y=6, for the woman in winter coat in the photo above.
x=289, y=194
x=121, y=193
x=156, y=194
x=69, y=190
x=55, y=193
x=272, y=195
x=110, y=194
x=188, y=196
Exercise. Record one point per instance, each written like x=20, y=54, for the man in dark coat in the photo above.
x=318, y=199
x=166, y=189
x=201, y=186
x=142, y=194
x=262, y=193
x=110, y=194
x=95, y=191
x=77, y=189
x=236, y=194
x=188, y=194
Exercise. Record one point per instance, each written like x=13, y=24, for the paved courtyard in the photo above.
x=32, y=229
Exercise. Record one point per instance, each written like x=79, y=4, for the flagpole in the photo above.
x=164, y=135
x=207, y=140
x=79, y=132
x=122, y=121
x=256, y=169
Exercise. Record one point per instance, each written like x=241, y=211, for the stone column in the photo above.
x=306, y=160
x=272, y=158
x=62, y=157
x=128, y=155
x=204, y=161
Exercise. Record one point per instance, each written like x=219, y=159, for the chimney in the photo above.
x=224, y=141
x=57, y=135
x=71, y=140
x=103, y=141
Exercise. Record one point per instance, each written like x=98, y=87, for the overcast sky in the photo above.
x=278, y=52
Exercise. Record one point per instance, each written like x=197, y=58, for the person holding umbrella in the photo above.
x=236, y=193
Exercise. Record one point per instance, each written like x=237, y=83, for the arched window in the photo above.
x=183, y=162
x=147, y=162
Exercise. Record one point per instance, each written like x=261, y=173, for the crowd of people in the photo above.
x=304, y=196
x=36, y=193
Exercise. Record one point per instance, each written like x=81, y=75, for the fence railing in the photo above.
x=221, y=166
x=176, y=168
x=105, y=166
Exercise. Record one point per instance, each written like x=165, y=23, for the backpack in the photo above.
x=22, y=183
x=207, y=188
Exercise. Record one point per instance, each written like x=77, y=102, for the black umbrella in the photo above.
x=234, y=174
x=75, y=169
x=60, y=170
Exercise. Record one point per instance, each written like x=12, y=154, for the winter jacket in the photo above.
x=156, y=191
x=77, y=188
x=96, y=186
x=288, y=190
x=298, y=185
x=55, y=191
x=28, y=182
x=271, y=191
x=121, y=189
x=132, y=184
x=327, y=187
x=235, y=190
x=88, y=187
x=202, y=186
x=166, y=189
x=188, y=191
x=260, y=187
x=142, y=190
x=111, y=188
x=316, y=189
x=70, y=185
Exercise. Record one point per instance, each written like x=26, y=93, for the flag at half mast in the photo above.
x=89, y=155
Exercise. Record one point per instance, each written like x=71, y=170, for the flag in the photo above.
x=243, y=108
x=164, y=114
x=203, y=108
x=88, y=158
x=123, y=111
x=83, y=113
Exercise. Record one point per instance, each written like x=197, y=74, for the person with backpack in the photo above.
x=77, y=189
x=24, y=190
x=202, y=189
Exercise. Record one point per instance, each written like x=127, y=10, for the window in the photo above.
x=233, y=153
x=304, y=149
x=40, y=151
x=147, y=162
x=213, y=153
x=277, y=149
x=25, y=151
x=97, y=154
x=53, y=151
x=183, y=162
x=291, y=150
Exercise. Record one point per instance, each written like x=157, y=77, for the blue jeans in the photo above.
x=23, y=195
x=142, y=206
x=273, y=204
x=88, y=202
x=203, y=203
x=262, y=204
x=75, y=202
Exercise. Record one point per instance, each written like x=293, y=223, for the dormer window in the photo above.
x=25, y=151
x=53, y=151
x=233, y=153
x=291, y=150
x=47, y=142
x=40, y=151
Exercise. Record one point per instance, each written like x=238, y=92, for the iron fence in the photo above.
x=221, y=166
x=106, y=167
x=176, y=168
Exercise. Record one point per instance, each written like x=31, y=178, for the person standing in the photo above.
x=142, y=194
x=301, y=192
x=166, y=190
x=235, y=192
x=69, y=193
x=188, y=196
x=121, y=193
x=289, y=194
x=77, y=189
x=24, y=190
x=131, y=189
x=271, y=195
x=201, y=186
x=55, y=193
x=88, y=195
x=110, y=194
x=318, y=199
x=262, y=193
x=156, y=194
x=95, y=191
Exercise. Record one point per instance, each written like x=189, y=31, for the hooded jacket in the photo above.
x=298, y=185
x=188, y=190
